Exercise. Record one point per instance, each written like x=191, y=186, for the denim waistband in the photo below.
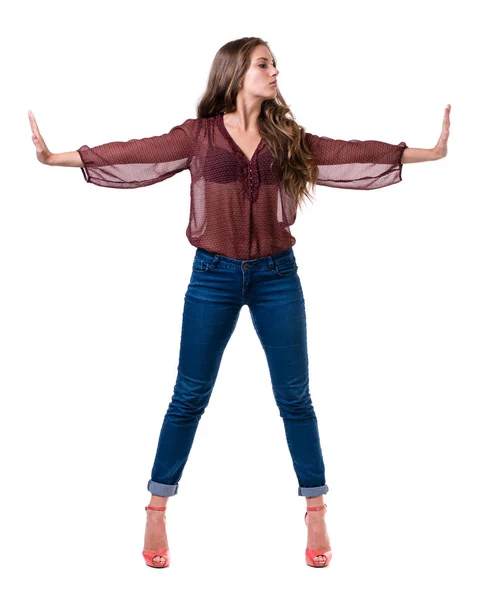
x=261, y=264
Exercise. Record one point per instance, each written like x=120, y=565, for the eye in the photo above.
x=263, y=65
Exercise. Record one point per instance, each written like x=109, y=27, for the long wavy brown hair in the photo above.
x=276, y=123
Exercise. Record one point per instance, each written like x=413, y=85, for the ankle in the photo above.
x=314, y=502
x=158, y=501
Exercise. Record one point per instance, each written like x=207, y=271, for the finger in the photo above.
x=447, y=113
x=445, y=125
x=33, y=123
x=30, y=118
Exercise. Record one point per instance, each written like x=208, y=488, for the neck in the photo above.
x=244, y=118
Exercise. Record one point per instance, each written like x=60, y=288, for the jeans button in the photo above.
x=245, y=267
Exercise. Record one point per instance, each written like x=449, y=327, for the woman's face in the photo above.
x=261, y=73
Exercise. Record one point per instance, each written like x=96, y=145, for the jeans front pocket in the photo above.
x=287, y=267
x=201, y=264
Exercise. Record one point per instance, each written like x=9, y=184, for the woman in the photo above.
x=251, y=165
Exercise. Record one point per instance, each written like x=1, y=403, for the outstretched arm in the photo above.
x=370, y=164
x=131, y=164
x=140, y=162
x=356, y=164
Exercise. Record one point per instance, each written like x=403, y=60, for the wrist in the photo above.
x=414, y=155
x=65, y=159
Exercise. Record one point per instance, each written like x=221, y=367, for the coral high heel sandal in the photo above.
x=149, y=555
x=311, y=553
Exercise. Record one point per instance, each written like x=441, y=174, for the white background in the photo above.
x=92, y=289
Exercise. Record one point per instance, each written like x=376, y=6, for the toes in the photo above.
x=159, y=559
x=320, y=559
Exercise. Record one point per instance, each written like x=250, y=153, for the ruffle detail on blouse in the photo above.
x=250, y=170
x=253, y=177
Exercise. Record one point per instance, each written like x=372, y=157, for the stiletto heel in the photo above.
x=310, y=552
x=149, y=555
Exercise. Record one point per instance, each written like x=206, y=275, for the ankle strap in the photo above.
x=316, y=507
x=156, y=507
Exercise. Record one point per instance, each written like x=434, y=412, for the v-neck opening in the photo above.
x=234, y=144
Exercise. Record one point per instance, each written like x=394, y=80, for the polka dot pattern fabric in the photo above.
x=239, y=207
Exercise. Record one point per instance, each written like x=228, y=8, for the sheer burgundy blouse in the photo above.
x=239, y=207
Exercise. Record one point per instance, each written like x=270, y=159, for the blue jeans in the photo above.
x=218, y=289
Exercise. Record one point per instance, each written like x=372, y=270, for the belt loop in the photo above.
x=270, y=263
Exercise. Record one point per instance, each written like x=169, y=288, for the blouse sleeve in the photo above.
x=355, y=164
x=139, y=162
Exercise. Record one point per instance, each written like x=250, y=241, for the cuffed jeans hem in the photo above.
x=313, y=491
x=162, y=489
